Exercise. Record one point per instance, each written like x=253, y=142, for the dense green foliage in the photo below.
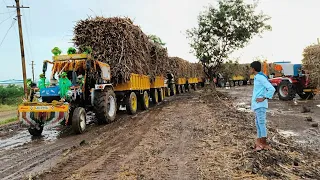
x=223, y=29
x=11, y=94
x=156, y=40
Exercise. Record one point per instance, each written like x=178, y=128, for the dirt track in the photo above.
x=186, y=137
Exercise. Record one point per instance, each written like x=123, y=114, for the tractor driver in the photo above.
x=43, y=82
x=64, y=85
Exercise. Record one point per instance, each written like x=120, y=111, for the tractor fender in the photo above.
x=287, y=79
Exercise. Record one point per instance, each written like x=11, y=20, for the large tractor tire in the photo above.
x=79, y=120
x=131, y=102
x=161, y=94
x=105, y=106
x=286, y=91
x=306, y=95
x=144, y=100
x=155, y=96
x=35, y=132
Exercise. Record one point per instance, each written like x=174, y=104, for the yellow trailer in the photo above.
x=137, y=91
x=158, y=89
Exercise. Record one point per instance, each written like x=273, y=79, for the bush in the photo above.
x=11, y=94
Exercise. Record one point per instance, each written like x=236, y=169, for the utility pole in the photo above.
x=23, y=61
x=32, y=66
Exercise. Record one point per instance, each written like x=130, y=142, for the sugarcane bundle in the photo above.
x=116, y=41
x=159, y=64
x=311, y=64
x=179, y=67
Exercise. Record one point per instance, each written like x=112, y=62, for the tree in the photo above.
x=156, y=40
x=222, y=30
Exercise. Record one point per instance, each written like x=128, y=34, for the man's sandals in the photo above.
x=259, y=146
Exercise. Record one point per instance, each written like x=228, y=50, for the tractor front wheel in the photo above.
x=79, y=120
x=34, y=131
x=286, y=91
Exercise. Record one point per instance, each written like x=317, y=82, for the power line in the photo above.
x=6, y=19
x=7, y=12
x=7, y=32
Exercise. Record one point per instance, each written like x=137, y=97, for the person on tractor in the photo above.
x=262, y=91
x=43, y=82
x=64, y=85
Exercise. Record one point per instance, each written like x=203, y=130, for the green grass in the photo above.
x=7, y=121
x=4, y=108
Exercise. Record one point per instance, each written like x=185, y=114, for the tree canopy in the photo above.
x=223, y=29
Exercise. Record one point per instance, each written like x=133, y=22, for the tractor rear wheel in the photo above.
x=155, y=96
x=306, y=95
x=286, y=91
x=105, y=106
x=36, y=131
x=131, y=102
x=79, y=120
x=144, y=100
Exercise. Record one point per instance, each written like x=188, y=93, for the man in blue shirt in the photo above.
x=262, y=91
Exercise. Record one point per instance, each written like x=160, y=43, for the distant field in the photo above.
x=4, y=108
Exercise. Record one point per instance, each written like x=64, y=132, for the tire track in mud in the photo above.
x=105, y=153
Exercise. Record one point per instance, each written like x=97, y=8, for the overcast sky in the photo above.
x=50, y=23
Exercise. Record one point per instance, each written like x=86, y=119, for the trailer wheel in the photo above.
x=35, y=132
x=178, y=87
x=286, y=91
x=79, y=120
x=183, y=89
x=155, y=96
x=306, y=95
x=251, y=81
x=195, y=87
x=131, y=103
x=190, y=89
x=232, y=84
x=105, y=106
x=172, y=90
x=161, y=95
x=240, y=83
x=144, y=100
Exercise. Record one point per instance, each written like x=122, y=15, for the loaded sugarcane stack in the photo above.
x=121, y=44
x=116, y=41
x=311, y=64
x=159, y=60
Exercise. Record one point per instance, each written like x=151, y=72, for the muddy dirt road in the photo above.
x=286, y=117
x=190, y=136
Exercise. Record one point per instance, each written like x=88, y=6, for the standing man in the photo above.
x=262, y=91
